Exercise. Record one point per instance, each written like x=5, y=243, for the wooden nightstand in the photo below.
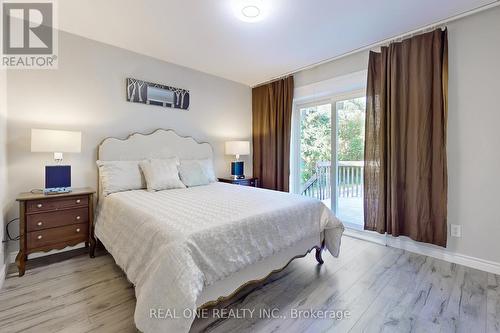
x=253, y=182
x=50, y=222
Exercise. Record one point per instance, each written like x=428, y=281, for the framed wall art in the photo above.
x=144, y=92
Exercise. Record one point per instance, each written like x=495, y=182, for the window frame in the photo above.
x=332, y=99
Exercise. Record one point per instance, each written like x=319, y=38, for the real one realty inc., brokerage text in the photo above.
x=243, y=313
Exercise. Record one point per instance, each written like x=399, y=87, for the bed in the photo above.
x=185, y=249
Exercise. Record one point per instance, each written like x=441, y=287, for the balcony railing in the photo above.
x=349, y=180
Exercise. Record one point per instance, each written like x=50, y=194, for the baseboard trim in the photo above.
x=3, y=274
x=407, y=244
x=12, y=255
x=403, y=243
x=366, y=235
x=433, y=251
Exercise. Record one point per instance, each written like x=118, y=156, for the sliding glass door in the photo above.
x=316, y=151
x=329, y=145
x=350, y=138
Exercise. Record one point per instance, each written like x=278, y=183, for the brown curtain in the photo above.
x=271, y=125
x=405, y=149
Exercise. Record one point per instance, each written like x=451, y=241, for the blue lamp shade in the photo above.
x=237, y=168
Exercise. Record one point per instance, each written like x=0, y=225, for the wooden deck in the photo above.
x=384, y=290
x=350, y=211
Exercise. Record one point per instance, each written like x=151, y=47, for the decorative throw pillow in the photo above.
x=161, y=174
x=192, y=174
x=207, y=166
x=118, y=176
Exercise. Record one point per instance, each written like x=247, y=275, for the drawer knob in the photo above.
x=77, y=229
x=39, y=237
x=78, y=201
x=78, y=217
x=39, y=223
x=39, y=206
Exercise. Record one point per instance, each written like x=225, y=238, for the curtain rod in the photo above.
x=272, y=80
x=386, y=41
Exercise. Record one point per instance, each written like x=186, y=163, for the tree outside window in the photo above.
x=315, y=134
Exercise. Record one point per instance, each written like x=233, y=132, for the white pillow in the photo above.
x=161, y=174
x=117, y=176
x=208, y=168
x=192, y=174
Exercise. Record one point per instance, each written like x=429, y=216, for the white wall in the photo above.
x=338, y=68
x=473, y=129
x=87, y=93
x=3, y=170
x=474, y=134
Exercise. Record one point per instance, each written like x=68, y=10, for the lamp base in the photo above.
x=57, y=190
x=237, y=169
x=57, y=178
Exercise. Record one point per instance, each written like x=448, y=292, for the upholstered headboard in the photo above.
x=158, y=144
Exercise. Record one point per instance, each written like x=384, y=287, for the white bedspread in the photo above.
x=172, y=243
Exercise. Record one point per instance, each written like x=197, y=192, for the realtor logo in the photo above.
x=29, y=37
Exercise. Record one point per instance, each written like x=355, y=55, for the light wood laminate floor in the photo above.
x=384, y=290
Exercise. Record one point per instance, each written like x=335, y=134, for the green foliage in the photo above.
x=351, y=130
x=315, y=134
x=315, y=139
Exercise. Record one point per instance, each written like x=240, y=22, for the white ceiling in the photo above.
x=207, y=36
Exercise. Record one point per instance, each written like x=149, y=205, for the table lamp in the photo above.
x=57, y=177
x=237, y=148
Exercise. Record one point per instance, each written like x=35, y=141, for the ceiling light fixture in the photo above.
x=249, y=10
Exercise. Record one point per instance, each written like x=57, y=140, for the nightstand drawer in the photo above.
x=70, y=233
x=43, y=205
x=56, y=219
x=253, y=182
x=246, y=182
